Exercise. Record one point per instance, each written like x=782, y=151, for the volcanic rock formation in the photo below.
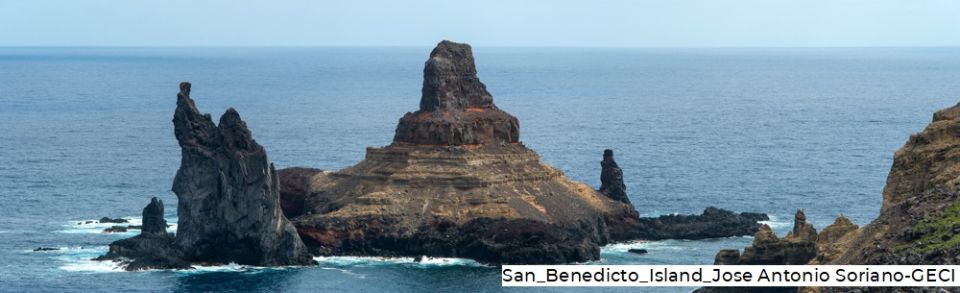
x=154, y=248
x=712, y=223
x=918, y=221
x=611, y=178
x=798, y=247
x=456, y=182
x=228, y=202
x=455, y=107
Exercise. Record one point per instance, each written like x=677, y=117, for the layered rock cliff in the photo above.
x=918, y=221
x=456, y=181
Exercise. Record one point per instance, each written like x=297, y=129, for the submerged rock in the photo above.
x=106, y=220
x=228, y=202
x=611, y=178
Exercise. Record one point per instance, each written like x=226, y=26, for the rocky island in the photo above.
x=455, y=182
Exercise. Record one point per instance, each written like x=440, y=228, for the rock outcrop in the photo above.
x=455, y=107
x=228, y=198
x=611, y=178
x=918, y=221
x=712, y=223
x=457, y=182
x=153, y=221
x=228, y=202
x=829, y=244
x=154, y=248
x=798, y=247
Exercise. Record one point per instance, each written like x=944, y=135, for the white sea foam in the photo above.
x=80, y=259
x=426, y=262
x=776, y=224
x=95, y=227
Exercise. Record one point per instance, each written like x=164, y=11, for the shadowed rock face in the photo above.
x=611, y=178
x=229, y=205
x=153, y=221
x=154, y=248
x=455, y=107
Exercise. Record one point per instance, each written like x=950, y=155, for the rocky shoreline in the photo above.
x=456, y=182
x=918, y=222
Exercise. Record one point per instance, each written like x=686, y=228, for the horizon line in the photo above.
x=491, y=46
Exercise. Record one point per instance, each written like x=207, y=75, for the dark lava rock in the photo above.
x=455, y=107
x=611, y=178
x=105, y=220
x=46, y=249
x=713, y=223
x=229, y=204
x=154, y=250
x=637, y=251
x=294, y=187
x=153, y=221
x=121, y=229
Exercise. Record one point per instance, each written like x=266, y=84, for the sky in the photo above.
x=513, y=23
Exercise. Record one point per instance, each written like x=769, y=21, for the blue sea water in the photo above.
x=87, y=133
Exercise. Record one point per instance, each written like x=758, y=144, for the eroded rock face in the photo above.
x=154, y=248
x=921, y=201
x=228, y=203
x=457, y=182
x=798, y=247
x=153, y=221
x=611, y=178
x=455, y=107
x=829, y=241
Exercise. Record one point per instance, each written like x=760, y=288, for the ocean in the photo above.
x=87, y=133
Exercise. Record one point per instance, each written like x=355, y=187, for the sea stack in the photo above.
x=457, y=182
x=154, y=248
x=611, y=178
x=228, y=200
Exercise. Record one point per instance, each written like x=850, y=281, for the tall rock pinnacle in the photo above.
x=455, y=107
x=611, y=178
x=450, y=80
x=229, y=204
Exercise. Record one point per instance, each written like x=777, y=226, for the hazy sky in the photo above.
x=481, y=23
